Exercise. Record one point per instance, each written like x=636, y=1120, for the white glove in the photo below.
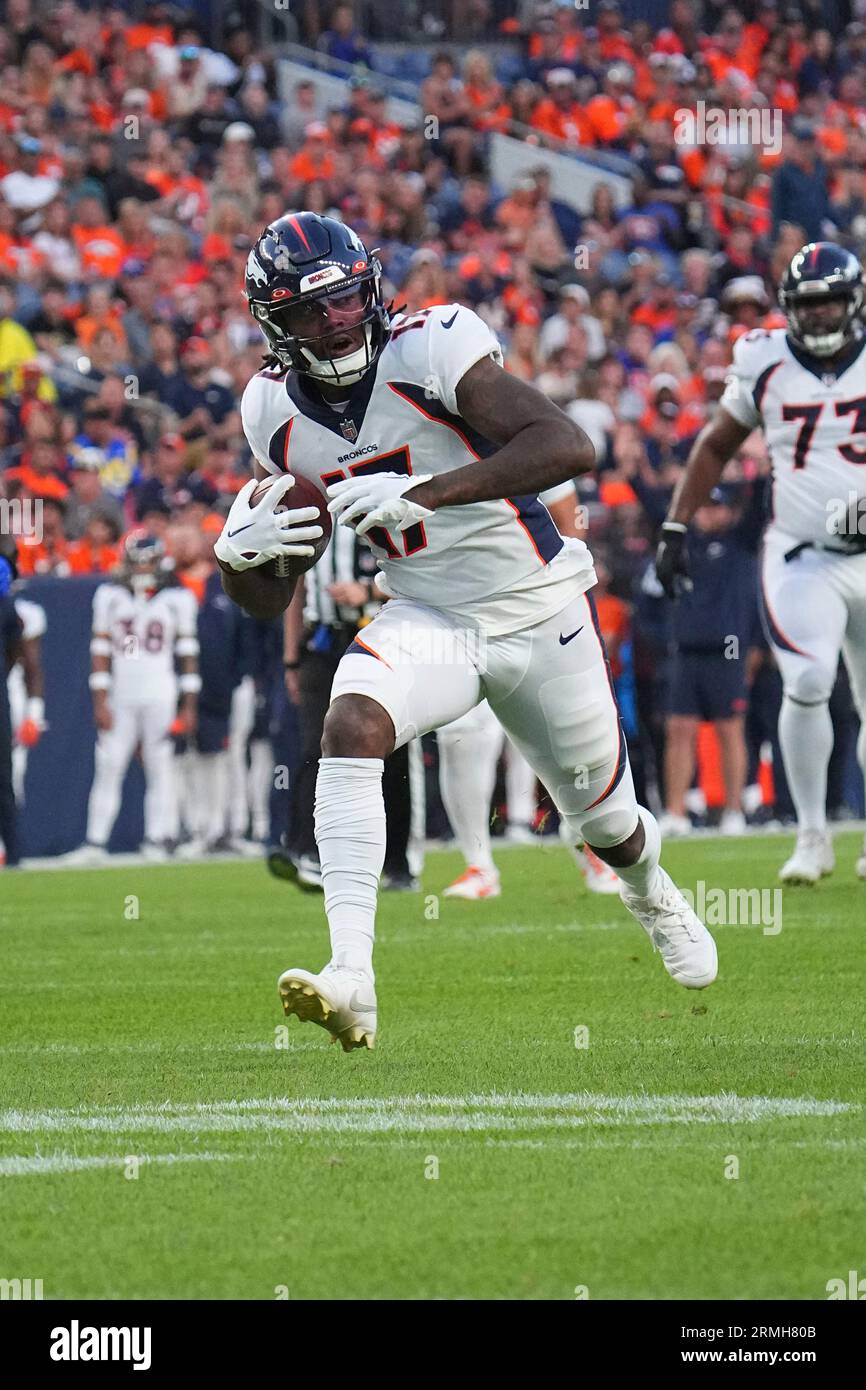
x=379, y=499
x=253, y=535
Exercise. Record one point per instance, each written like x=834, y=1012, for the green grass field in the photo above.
x=139, y=1021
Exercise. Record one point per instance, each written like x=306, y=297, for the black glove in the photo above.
x=672, y=562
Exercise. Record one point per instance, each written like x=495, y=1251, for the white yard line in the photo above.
x=89, y=1049
x=507, y=1112
x=25, y=1165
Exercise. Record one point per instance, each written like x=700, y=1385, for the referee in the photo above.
x=336, y=599
x=10, y=651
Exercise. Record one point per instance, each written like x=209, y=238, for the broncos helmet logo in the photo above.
x=256, y=271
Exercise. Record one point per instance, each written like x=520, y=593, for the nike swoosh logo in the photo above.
x=451, y=320
x=564, y=640
x=230, y=535
x=359, y=1006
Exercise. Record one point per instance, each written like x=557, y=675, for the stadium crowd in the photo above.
x=138, y=161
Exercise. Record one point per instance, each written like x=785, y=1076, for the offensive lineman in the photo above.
x=806, y=386
x=142, y=622
x=436, y=455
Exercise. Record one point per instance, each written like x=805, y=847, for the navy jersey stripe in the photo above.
x=531, y=513
x=762, y=383
x=279, y=446
x=538, y=523
x=436, y=410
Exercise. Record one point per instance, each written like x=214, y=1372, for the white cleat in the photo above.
x=676, y=931
x=152, y=852
x=733, y=823
x=86, y=857
x=598, y=876
x=520, y=833
x=341, y=1001
x=812, y=858
x=672, y=826
x=474, y=883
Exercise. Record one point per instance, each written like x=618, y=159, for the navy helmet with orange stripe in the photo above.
x=316, y=293
x=822, y=293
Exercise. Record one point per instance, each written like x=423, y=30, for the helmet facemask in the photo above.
x=143, y=561
x=825, y=320
x=333, y=334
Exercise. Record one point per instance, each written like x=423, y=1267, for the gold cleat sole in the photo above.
x=308, y=1006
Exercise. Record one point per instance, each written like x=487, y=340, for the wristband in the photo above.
x=675, y=526
x=99, y=680
x=189, y=683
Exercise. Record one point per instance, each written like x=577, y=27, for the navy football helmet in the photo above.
x=143, y=565
x=316, y=293
x=822, y=293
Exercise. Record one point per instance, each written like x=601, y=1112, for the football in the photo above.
x=303, y=494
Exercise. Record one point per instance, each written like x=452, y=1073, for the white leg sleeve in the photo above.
x=114, y=749
x=157, y=750
x=519, y=787
x=261, y=771
x=468, y=753
x=240, y=727
x=350, y=834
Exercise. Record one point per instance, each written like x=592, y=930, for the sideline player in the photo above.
x=436, y=455
x=806, y=387
x=141, y=623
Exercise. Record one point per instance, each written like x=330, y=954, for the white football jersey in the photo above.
x=144, y=635
x=499, y=566
x=815, y=425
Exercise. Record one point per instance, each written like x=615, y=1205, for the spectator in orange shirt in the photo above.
x=46, y=552
x=614, y=46
x=313, y=160
x=101, y=315
x=40, y=471
x=98, y=243
x=726, y=48
x=97, y=551
x=487, y=105
x=658, y=311
x=516, y=213
x=611, y=113
x=561, y=115
x=666, y=419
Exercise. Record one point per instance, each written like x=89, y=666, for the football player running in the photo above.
x=436, y=455
x=806, y=387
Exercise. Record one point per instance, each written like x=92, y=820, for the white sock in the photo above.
x=642, y=877
x=350, y=834
x=806, y=738
x=467, y=774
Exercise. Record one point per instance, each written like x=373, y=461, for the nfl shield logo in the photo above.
x=347, y=427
